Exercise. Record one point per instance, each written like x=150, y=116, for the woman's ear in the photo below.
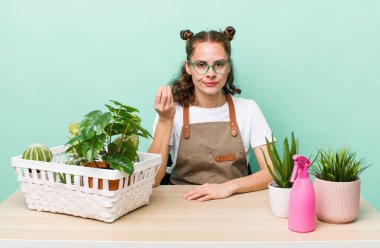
x=187, y=67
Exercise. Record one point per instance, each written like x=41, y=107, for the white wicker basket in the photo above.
x=44, y=191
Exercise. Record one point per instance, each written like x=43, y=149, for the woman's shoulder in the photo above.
x=178, y=113
x=178, y=107
x=241, y=102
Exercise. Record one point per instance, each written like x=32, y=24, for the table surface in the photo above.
x=169, y=218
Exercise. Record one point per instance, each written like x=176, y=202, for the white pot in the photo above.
x=279, y=200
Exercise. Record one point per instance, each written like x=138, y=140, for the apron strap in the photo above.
x=233, y=123
x=186, y=122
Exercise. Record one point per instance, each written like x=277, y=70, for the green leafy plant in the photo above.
x=341, y=165
x=111, y=136
x=282, y=169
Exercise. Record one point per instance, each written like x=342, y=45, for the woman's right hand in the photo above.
x=164, y=103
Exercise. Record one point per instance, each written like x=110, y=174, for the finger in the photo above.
x=206, y=198
x=198, y=194
x=195, y=196
x=185, y=196
x=158, y=96
x=172, y=103
x=170, y=98
x=164, y=96
x=192, y=191
x=161, y=104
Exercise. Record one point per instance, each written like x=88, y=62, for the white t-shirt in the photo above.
x=251, y=121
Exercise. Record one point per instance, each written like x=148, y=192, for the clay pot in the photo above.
x=112, y=184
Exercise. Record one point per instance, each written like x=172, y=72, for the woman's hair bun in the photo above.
x=229, y=33
x=186, y=34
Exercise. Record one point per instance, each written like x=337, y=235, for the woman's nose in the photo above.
x=211, y=73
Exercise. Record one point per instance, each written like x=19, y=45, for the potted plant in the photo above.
x=107, y=140
x=279, y=189
x=337, y=185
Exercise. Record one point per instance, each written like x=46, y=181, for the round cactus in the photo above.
x=133, y=139
x=37, y=152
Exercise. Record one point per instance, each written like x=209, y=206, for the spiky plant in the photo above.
x=282, y=169
x=341, y=165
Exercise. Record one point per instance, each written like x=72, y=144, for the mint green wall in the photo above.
x=313, y=67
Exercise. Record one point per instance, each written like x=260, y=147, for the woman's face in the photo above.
x=211, y=83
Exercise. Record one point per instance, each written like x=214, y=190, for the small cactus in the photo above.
x=38, y=152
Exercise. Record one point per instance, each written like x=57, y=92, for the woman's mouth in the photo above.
x=210, y=84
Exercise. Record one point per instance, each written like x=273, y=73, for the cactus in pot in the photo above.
x=279, y=188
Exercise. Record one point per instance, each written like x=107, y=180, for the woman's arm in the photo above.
x=160, y=146
x=164, y=106
x=254, y=182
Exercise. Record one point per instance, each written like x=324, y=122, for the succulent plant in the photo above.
x=282, y=168
x=341, y=165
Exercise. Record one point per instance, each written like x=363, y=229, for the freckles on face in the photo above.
x=211, y=82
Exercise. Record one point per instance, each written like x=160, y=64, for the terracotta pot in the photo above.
x=112, y=184
x=279, y=200
x=337, y=202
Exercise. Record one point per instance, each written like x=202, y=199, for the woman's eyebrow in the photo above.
x=199, y=60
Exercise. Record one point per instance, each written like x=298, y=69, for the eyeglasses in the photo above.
x=219, y=66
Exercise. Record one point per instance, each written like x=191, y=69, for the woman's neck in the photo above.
x=206, y=101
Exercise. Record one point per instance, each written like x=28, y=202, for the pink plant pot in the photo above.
x=337, y=202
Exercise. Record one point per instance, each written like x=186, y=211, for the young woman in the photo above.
x=208, y=131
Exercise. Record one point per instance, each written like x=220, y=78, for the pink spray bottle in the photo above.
x=301, y=217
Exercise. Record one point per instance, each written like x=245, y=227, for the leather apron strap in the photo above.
x=233, y=123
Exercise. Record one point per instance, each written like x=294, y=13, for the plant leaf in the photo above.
x=286, y=163
x=94, y=121
x=120, y=163
x=270, y=169
x=128, y=108
x=92, y=147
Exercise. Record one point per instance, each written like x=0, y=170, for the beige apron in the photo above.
x=210, y=152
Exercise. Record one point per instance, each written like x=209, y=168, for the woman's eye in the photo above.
x=220, y=64
x=201, y=64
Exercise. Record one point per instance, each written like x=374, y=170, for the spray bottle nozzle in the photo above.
x=300, y=164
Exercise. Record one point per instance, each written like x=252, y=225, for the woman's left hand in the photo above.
x=207, y=192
